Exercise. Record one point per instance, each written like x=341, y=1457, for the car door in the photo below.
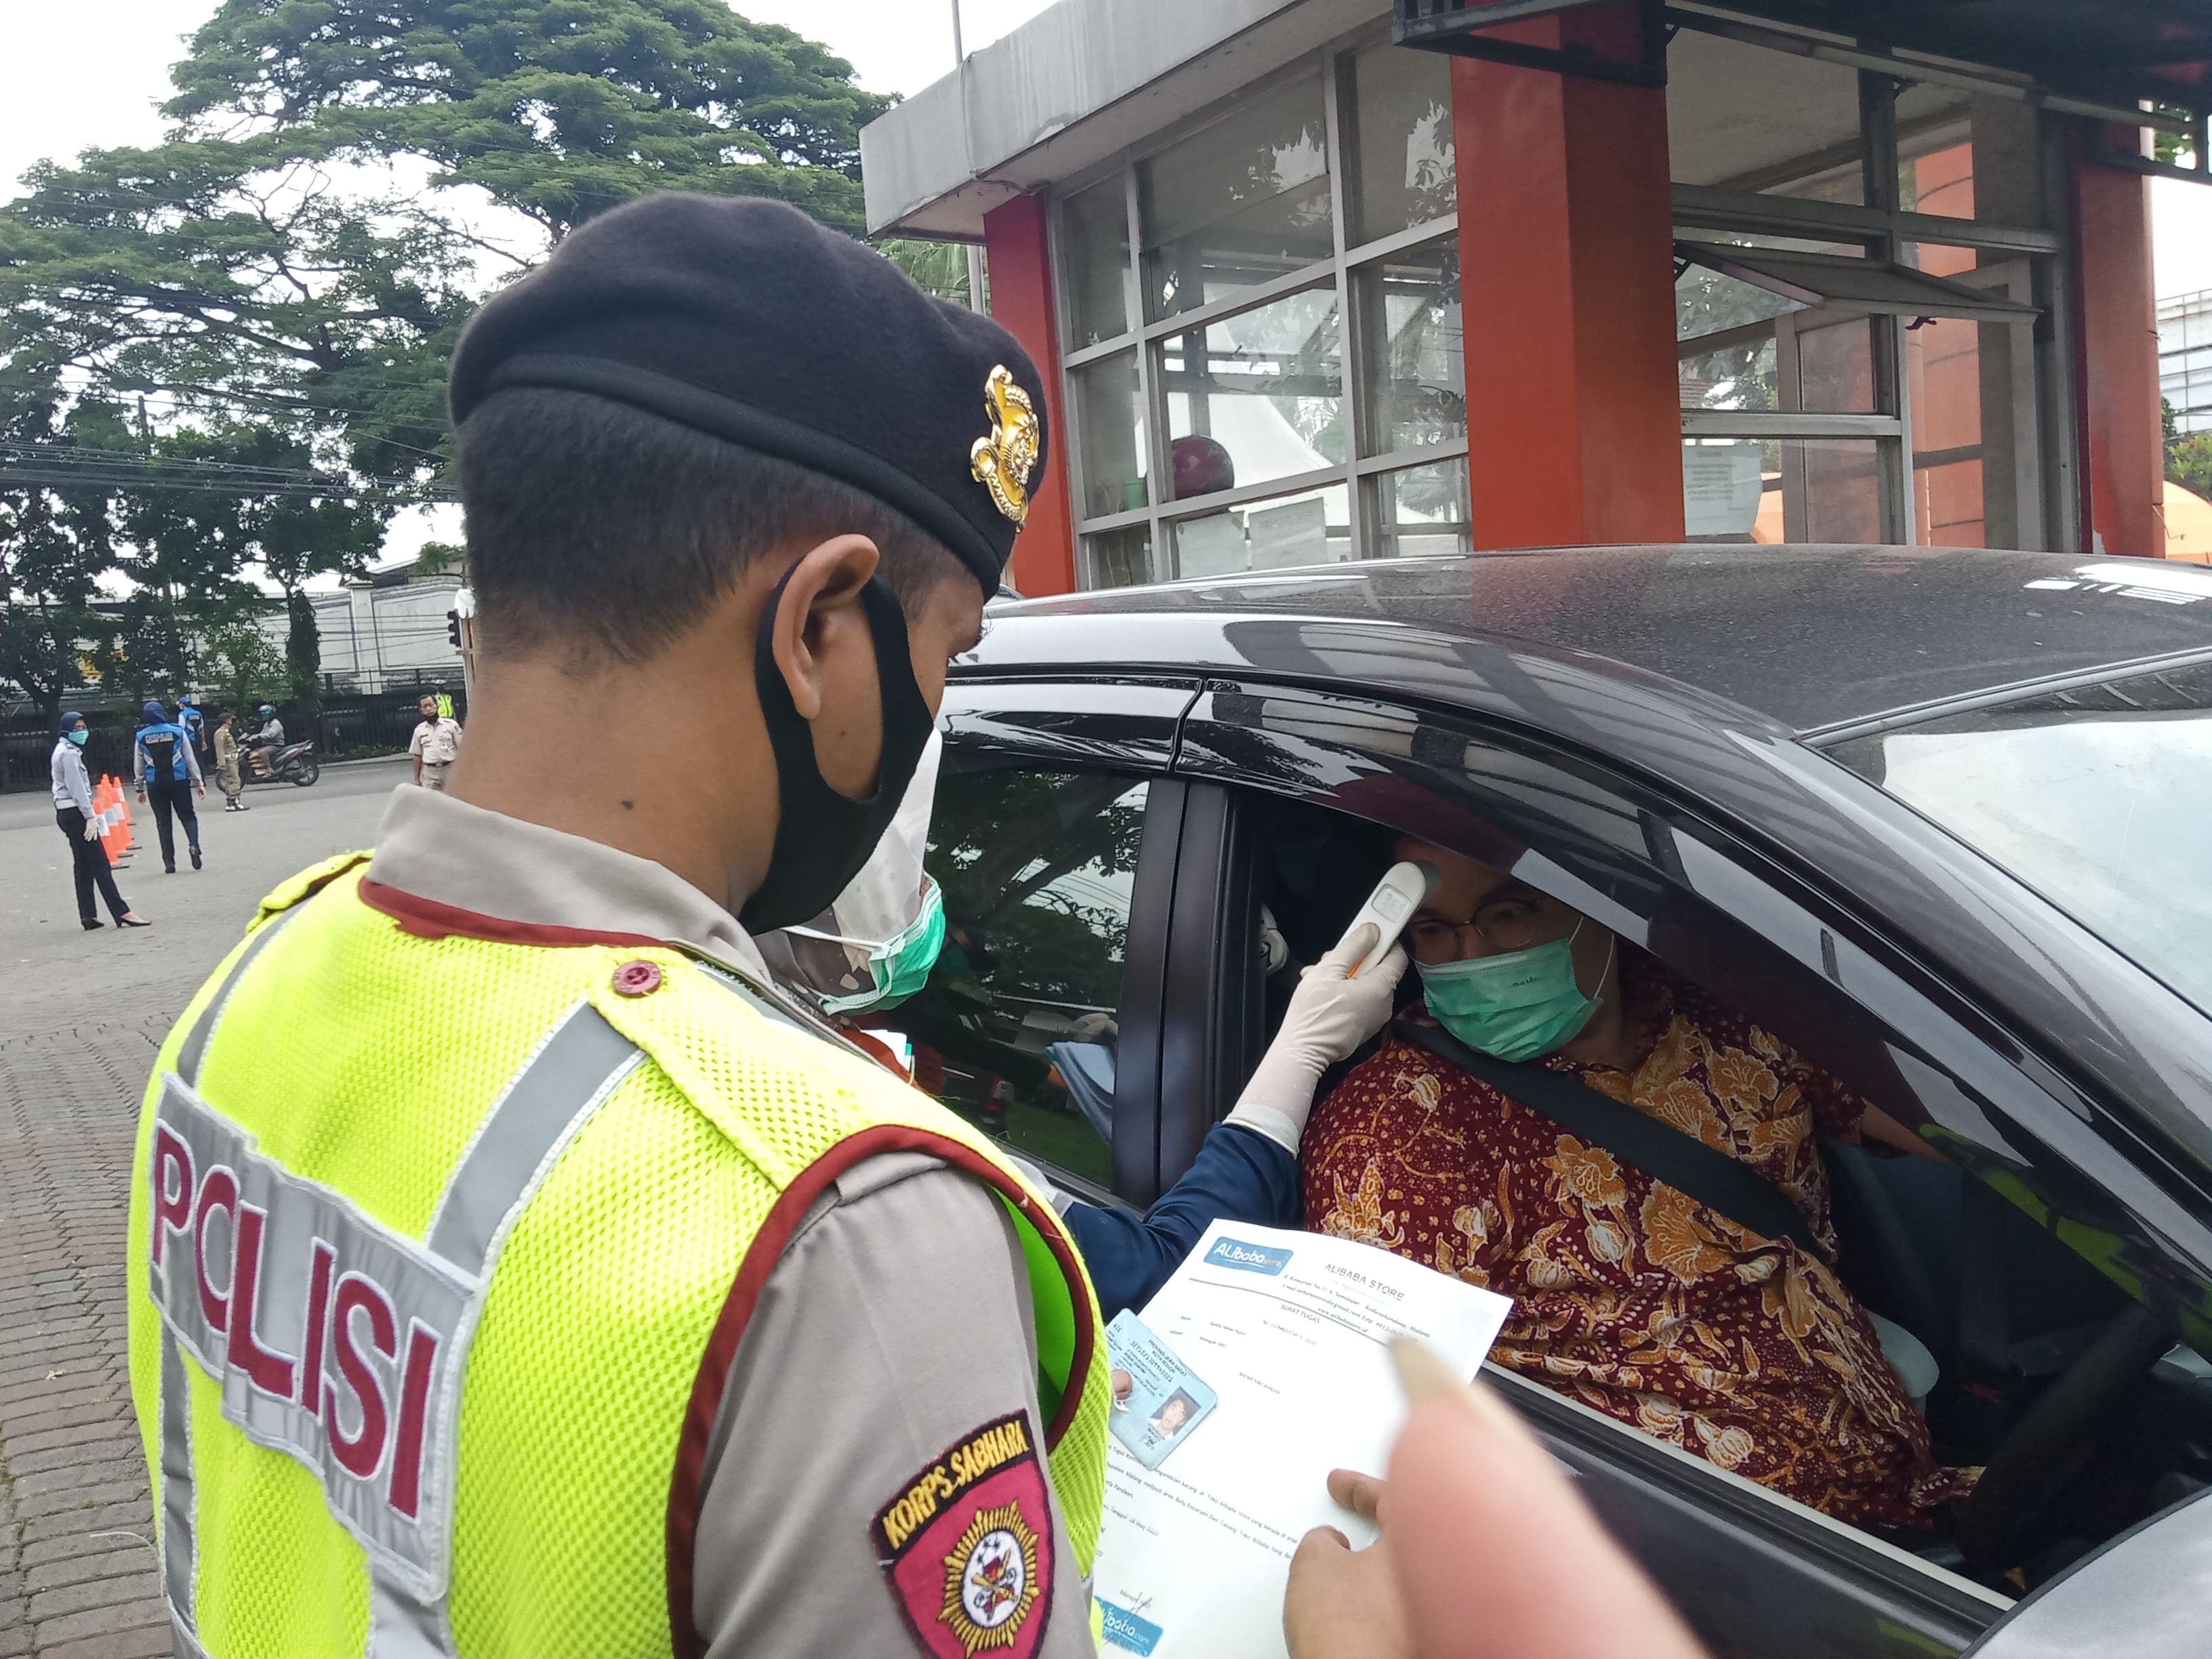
x=1755, y=1573
x=1054, y=841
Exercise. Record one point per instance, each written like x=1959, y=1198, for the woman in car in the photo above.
x=1628, y=1295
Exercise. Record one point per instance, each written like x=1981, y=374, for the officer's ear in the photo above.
x=820, y=622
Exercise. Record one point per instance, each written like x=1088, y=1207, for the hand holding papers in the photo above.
x=1290, y=1332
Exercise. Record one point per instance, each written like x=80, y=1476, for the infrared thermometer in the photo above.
x=1403, y=890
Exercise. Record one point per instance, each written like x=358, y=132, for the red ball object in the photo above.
x=1202, y=465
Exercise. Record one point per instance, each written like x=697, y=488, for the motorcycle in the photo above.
x=294, y=763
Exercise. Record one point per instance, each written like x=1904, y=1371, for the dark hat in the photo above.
x=743, y=318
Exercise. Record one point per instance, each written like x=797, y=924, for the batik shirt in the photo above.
x=1628, y=1295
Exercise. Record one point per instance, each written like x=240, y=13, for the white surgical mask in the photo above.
x=874, y=945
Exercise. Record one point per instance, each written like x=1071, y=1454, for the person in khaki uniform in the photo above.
x=435, y=744
x=226, y=765
x=724, y=465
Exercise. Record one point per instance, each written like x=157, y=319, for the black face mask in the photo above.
x=821, y=837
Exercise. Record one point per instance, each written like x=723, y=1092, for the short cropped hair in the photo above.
x=608, y=532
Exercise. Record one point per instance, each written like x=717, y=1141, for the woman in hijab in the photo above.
x=73, y=811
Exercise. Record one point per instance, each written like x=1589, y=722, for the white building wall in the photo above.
x=371, y=636
x=2184, y=358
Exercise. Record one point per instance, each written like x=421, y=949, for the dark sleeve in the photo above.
x=1238, y=1176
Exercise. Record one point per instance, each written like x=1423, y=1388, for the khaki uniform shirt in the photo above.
x=438, y=742
x=896, y=1319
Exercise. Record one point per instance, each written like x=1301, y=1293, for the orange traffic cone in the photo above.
x=114, y=820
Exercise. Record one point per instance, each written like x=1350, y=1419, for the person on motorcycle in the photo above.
x=261, y=748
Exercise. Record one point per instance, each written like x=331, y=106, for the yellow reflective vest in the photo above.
x=419, y=1330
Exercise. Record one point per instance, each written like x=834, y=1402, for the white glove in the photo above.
x=1329, y=1016
x=92, y=829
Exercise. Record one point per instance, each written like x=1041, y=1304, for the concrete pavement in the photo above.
x=81, y=1016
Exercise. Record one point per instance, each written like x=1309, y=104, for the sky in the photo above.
x=78, y=73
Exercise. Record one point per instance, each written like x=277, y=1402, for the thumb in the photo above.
x=1341, y=960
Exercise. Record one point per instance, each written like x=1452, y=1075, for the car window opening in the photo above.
x=1978, y=1306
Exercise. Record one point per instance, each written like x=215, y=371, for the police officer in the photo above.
x=574, y=1290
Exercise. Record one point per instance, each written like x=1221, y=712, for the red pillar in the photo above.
x=1021, y=301
x=1567, y=289
x=2122, y=435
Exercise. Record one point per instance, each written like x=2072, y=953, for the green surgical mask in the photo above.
x=1516, y=1005
x=80, y=736
x=899, y=966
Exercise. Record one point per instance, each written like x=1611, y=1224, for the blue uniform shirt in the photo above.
x=1238, y=1176
x=165, y=751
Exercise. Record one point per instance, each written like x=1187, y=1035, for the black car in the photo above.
x=1942, y=819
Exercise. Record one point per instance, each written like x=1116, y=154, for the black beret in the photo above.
x=743, y=318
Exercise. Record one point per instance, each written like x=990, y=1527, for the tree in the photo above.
x=57, y=543
x=285, y=277
x=557, y=109
x=938, y=268
x=2189, y=463
x=243, y=666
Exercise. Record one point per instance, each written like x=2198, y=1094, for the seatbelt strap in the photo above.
x=1720, y=1182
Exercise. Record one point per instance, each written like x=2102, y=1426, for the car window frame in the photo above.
x=1112, y=726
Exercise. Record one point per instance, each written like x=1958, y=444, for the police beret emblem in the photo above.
x=1002, y=463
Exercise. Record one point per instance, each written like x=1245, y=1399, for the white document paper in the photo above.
x=1291, y=1331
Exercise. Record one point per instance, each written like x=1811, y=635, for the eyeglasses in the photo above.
x=1512, y=923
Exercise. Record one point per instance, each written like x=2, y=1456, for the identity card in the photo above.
x=1168, y=1401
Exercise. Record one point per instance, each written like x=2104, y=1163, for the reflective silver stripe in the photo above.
x=177, y=1496
x=559, y=1088
x=430, y=1293
x=195, y=1040
x=571, y=1072
x=401, y=1627
x=183, y=1645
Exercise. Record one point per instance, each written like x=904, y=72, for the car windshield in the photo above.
x=2098, y=797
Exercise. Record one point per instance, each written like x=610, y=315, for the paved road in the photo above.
x=80, y=1018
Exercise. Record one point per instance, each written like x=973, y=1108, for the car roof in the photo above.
x=1811, y=637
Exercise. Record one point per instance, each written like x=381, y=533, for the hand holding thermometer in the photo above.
x=1404, y=887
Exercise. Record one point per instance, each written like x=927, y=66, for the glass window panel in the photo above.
x=1241, y=202
x=1417, y=359
x=1095, y=257
x=1948, y=508
x=1934, y=152
x=1313, y=527
x=1110, y=419
x=1835, y=365
x=1256, y=396
x=1016, y=1029
x=1840, y=483
x=1120, y=558
x=1964, y=157
x=1398, y=122
x=1788, y=489
x=1423, y=510
x=2095, y=796
x=1748, y=118
x=1740, y=376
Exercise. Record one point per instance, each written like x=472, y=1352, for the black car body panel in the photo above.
x=1810, y=636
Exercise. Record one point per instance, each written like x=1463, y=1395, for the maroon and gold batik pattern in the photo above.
x=1627, y=1295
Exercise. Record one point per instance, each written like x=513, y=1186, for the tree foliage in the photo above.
x=2189, y=463
x=556, y=108
x=284, y=278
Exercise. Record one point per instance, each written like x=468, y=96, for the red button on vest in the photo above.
x=637, y=979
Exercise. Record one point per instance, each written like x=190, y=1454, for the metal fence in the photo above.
x=347, y=724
